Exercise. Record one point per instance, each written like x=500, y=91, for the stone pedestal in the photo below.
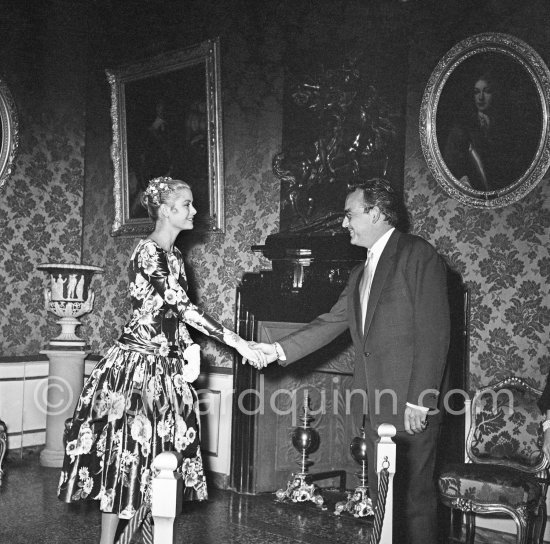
x=65, y=381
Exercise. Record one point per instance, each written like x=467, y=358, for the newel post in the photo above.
x=166, y=496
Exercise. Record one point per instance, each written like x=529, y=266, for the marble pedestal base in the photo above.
x=65, y=381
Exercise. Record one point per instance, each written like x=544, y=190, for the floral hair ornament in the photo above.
x=156, y=187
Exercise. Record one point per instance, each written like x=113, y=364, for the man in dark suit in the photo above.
x=396, y=308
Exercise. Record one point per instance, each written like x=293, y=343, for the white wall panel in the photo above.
x=20, y=407
x=216, y=396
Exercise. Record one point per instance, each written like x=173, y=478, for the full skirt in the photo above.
x=133, y=407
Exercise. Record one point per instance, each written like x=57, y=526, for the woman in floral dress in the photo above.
x=138, y=401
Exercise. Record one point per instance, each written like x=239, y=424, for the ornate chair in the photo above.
x=507, y=473
x=3, y=446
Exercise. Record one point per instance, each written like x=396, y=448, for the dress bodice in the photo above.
x=160, y=305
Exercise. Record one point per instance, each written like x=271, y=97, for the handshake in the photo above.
x=259, y=355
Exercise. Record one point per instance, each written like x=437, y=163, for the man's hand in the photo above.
x=267, y=349
x=415, y=420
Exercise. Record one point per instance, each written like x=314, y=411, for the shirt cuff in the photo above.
x=425, y=409
x=279, y=351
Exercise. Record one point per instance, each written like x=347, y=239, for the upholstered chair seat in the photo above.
x=490, y=485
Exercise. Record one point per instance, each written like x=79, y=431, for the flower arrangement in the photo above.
x=156, y=187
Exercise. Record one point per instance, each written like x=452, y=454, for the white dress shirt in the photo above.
x=371, y=263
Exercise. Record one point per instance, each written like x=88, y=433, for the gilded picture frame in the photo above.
x=484, y=120
x=166, y=117
x=9, y=126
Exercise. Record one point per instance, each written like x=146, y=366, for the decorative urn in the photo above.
x=69, y=297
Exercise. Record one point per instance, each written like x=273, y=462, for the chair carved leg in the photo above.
x=3, y=446
x=521, y=517
x=470, y=520
x=521, y=537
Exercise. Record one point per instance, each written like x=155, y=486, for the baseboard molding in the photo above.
x=217, y=480
x=16, y=454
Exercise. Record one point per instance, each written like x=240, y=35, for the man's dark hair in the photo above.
x=378, y=192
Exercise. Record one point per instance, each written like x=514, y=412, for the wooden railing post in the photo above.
x=166, y=496
x=385, y=458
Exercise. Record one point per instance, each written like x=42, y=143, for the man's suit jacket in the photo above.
x=404, y=343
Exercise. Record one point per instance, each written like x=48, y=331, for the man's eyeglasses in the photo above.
x=349, y=214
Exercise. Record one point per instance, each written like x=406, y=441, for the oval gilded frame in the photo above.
x=10, y=132
x=539, y=76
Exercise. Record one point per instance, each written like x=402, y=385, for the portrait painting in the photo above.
x=484, y=120
x=167, y=122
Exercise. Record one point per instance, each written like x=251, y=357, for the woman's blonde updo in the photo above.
x=161, y=191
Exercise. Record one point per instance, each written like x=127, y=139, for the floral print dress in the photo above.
x=138, y=401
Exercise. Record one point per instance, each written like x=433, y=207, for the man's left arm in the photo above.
x=431, y=328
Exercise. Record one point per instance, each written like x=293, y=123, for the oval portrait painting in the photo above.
x=484, y=120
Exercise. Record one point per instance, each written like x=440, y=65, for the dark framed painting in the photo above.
x=484, y=120
x=167, y=121
x=9, y=132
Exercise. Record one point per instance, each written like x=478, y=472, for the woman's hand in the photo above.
x=268, y=350
x=254, y=356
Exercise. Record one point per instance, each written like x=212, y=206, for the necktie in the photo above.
x=364, y=288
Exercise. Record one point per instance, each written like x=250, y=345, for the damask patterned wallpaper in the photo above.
x=502, y=254
x=41, y=203
x=40, y=222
